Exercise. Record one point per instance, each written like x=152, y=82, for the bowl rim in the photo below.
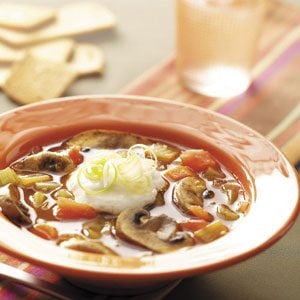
x=142, y=273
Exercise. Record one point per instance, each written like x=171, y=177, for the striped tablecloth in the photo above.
x=271, y=105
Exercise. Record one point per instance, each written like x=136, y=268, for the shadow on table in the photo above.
x=272, y=275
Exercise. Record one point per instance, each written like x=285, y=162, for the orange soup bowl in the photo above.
x=270, y=182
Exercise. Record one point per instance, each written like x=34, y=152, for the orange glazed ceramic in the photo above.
x=269, y=180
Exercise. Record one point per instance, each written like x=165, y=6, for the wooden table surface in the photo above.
x=144, y=36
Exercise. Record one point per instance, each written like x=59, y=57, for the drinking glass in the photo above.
x=216, y=44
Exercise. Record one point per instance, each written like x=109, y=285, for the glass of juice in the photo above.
x=216, y=44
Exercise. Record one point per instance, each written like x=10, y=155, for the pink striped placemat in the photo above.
x=271, y=106
x=272, y=103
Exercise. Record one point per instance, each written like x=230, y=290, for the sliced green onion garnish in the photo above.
x=94, y=172
x=109, y=175
x=147, y=151
x=132, y=175
x=132, y=171
x=110, y=178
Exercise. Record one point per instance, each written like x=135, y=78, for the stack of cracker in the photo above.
x=38, y=57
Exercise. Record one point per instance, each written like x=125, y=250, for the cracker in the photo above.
x=23, y=16
x=9, y=54
x=88, y=59
x=4, y=74
x=15, y=38
x=71, y=20
x=78, y=18
x=57, y=50
x=34, y=79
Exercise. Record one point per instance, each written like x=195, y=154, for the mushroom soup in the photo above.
x=122, y=194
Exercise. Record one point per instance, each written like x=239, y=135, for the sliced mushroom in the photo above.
x=87, y=246
x=158, y=234
x=45, y=161
x=12, y=207
x=188, y=192
x=106, y=139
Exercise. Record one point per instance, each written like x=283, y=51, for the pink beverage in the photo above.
x=216, y=44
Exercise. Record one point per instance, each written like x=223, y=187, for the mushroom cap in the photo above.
x=188, y=192
x=158, y=234
x=45, y=161
x=102, y=139
x=12, y=207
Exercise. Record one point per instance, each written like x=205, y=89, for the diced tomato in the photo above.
x=75, y=155
x=193, y=225
x=201, y=213
x=68, y=209
x=45, y=231
x=179, y=172
x=198, y=160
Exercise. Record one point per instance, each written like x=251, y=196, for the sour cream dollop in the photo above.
x=112, y=181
